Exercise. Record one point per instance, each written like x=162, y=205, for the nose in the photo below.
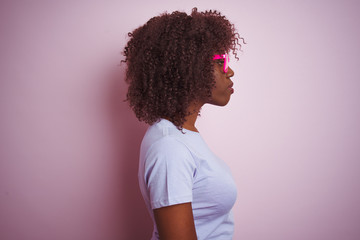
x=229, y=73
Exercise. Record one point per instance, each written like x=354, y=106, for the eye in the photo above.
x=220, y=61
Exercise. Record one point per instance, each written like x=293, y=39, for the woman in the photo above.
x=176, y=63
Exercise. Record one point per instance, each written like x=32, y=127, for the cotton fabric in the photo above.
x=177, y=168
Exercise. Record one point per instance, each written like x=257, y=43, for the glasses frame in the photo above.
x=226, y=60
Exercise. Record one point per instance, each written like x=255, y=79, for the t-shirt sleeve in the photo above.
x=169, y=173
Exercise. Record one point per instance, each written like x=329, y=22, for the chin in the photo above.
x=219, y=100
x=221, y=103
x=224, y=104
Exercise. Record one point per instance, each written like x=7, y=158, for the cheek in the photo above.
x=220, y=96
x=217, y=76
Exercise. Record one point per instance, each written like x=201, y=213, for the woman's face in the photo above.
x=222, y=90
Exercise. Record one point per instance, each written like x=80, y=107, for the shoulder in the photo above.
x=163, y=137
x=170, y=160
x=163, y=143
x=168, y=146
x=171, y=154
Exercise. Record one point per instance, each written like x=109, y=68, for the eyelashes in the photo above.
x=220, y=62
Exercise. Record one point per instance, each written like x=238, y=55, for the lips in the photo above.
x=231, y=87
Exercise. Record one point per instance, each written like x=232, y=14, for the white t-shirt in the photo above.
x=178, y=168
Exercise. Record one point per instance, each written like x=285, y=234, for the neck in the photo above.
x=191, y=119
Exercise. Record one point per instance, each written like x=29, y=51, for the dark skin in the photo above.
x=176, y=222
x=220, y=95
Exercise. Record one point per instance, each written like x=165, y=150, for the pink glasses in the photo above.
x=226, y=60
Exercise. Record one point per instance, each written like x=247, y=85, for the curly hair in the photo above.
x=169, y=62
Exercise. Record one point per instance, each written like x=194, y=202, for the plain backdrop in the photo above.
x=69, y=144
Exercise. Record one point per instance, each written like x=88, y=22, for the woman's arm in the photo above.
x=175, y=222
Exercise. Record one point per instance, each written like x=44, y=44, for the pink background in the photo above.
x=69, y=144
